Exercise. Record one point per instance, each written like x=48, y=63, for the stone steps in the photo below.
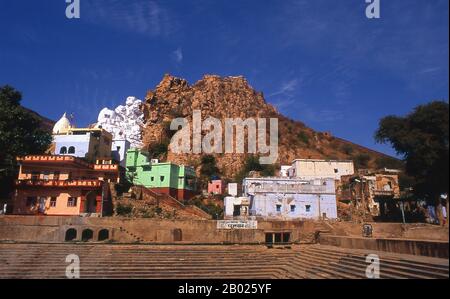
x=392, y=266
x=205, y=262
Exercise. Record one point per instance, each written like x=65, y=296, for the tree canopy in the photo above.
x=421, y=137
x=20, y=134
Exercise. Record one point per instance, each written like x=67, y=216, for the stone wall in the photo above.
x=418, y=231
x=125, y=230
x=403, y=246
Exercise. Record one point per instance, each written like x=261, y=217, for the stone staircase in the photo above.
x=168, y=202
x=206, y=262
x=320, y=227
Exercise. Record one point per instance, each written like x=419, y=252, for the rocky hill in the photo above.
x=233, y=97
x=46, y=123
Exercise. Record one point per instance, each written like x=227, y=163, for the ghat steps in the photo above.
x=147, y=261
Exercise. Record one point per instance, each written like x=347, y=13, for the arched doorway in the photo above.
x=91, y=202
x=71, y=234
x=103, y=235
x=87, y=235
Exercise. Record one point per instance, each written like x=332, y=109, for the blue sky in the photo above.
x=319, y=61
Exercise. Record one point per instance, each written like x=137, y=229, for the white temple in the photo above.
x=124, y=122
x=62, y=125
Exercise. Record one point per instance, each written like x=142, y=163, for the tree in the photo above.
x=20, y=134
x=421, y=137
x=362, y=160
x=252, y=164
x=209, y=166
x=208, y=169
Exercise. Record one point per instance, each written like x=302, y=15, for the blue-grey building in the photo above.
x=87, y=143
x=285, y=198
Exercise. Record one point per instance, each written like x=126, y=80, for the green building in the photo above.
x=178, y=181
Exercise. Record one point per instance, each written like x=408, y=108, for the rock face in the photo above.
x=124, y=122
x=233, y=97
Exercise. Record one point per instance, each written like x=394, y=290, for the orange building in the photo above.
x=64, y=185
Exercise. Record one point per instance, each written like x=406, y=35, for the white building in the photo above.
x=236, y=207
x=310, y=169
x=233, y=189
x=287, y=198
x=284, y=170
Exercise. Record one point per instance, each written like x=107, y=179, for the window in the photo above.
x=162, y=178
x=278, y=237
x=308, y=208
x=292, y=208
x=72, y=202
x=71, y=150
x=152, y=178
x=278, y=208
x=336, y=170
x=63, y=150
x=35, y=175
x=286, y=237
x=56, y=175
x=237, y=210
x=118, y=148
x=53, y=202
x=46, y=175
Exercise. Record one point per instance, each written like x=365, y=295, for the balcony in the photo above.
x=59, y=183
x=61, y=160
x=52, y=159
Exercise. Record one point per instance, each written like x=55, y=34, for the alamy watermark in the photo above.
x=373, y=269
x=73, y=269
x=73, y=9
x=373, y=9
x=220, y=138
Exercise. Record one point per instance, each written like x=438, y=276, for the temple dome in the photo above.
x=62, y=125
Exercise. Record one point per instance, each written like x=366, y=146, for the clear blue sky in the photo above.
x=319, y=61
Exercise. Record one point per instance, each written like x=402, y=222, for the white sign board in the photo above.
x=237, y=224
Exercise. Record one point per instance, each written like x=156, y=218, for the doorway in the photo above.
x=237, y=210
x=91, y=202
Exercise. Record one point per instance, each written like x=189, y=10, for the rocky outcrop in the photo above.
x=233, y=97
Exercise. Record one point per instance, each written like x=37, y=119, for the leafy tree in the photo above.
x=362, y=160
x=421, y=137
x=386, y=162
x=20, y=134
x=252, y=164
x=158, y=150
x=208, y=169
x=209, y=166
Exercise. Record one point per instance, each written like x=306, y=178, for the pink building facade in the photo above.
x=216, y=187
